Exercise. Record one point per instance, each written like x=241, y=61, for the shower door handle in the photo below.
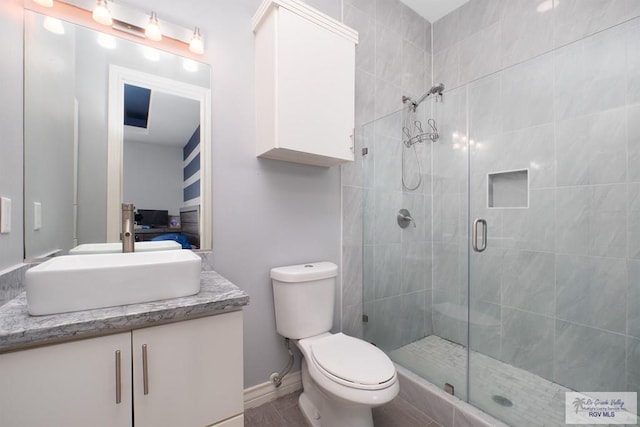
x=474, y=235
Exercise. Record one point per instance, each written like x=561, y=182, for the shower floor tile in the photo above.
x=535, y=400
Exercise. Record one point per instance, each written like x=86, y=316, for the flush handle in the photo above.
x=474, y=235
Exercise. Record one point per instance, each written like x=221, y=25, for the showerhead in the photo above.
x=438, y=89
x=435, y=90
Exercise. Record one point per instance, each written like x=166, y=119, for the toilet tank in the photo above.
x=303, y=298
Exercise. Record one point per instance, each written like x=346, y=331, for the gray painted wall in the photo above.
x=265, y=213
x=11, y=250
x=152, y=176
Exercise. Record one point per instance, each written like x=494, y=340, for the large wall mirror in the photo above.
x=107, y=121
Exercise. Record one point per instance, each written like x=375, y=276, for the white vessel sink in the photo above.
x=82, y=282
x=112, y=248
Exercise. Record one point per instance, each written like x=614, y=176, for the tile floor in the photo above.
x=284, y=412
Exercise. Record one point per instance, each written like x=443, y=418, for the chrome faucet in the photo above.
x=128, y=229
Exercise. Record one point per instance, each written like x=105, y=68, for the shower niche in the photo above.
x=508, y=189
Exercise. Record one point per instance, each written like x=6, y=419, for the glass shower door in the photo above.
x=512, y=278
x=554, y=295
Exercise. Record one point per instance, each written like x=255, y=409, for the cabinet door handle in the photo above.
x=118, y=377
x=145, y=370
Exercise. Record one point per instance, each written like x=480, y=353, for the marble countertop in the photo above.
x=18, y=329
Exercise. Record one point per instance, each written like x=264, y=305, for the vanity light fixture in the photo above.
x=101, y=13
x=196, y=46
x=45, y=3
x=152, y=31
x=122, y=17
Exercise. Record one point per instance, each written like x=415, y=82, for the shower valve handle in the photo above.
x=404, y=218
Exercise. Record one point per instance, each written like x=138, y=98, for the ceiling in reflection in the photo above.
x=171, y=121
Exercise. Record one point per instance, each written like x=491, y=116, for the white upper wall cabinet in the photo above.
x=304, y=84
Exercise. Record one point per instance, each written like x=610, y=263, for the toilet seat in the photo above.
x=352, y=362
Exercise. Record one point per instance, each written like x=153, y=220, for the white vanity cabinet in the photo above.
x=191, y=375
x=71, y=384
x=304, y=84
x=194, y=372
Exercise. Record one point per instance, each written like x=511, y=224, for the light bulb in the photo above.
x=150, y=53
x=106, y=41
x=190, y=65
x=101, y=13
x=45, y=3
x=196, y=46
x=547, y=5
x=152, y=31
x=54, y=25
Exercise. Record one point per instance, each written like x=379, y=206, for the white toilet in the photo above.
x=342, y=377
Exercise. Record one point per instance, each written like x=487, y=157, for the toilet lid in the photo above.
x=353, y=360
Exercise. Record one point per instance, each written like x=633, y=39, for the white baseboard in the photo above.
x=267, y=391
